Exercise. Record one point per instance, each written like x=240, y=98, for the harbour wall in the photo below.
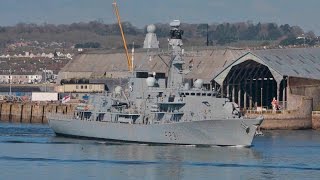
x=316, y=120
x=302, y=118
x=31, y=112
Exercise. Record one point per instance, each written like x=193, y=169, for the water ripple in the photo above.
x=195, y=164
x=33, y=142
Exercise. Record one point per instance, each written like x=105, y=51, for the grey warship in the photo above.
x=162, y=109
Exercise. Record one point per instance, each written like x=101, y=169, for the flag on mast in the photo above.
x=66, y=99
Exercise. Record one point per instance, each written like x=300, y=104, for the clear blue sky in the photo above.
x=304, y=13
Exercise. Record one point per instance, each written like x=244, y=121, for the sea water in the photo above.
x=34, y=152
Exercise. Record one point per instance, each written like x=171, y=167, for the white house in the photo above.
x=34, y=78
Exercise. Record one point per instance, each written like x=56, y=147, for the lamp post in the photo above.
x=261, y=99
x=10, y=77
x=10, y=92
x=207, y=34
x=45, y=79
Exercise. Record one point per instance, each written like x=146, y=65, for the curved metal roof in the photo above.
x=294, y=62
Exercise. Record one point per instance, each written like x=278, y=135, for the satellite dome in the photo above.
x=151, y=81
x=198, y=83
x=151, y=28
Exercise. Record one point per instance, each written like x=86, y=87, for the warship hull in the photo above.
x=223, y=132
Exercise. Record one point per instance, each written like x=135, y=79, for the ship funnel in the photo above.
x=198, y=83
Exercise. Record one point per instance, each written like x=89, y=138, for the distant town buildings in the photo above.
x=46, y=76
x=59, y=55
x=21, y=79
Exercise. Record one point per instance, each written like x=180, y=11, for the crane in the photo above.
x=116, y=10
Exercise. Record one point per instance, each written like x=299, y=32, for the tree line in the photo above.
x=223, y=33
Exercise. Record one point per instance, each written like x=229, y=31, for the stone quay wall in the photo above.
x=300, y=118
x=31, y=112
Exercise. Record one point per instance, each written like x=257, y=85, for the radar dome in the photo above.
x=151, y=81
x=118, y=90
x=151, y=28
x=198, y=83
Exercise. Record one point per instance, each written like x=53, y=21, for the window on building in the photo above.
x=90, y=86
x=86, y=87
x=81, y=87
x=77, y=87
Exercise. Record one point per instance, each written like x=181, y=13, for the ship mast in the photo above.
x=116, y=10
x=175, y=76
